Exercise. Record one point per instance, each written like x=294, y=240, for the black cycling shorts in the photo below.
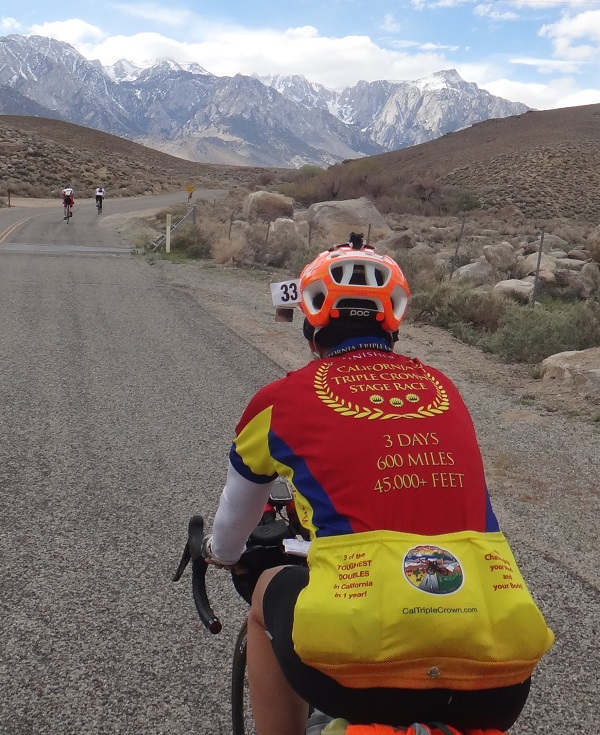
x=482, y=708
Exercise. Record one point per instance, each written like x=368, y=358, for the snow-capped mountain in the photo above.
x=183, y=109
x=400, y=114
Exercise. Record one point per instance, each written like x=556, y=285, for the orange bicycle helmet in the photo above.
x=353, y=283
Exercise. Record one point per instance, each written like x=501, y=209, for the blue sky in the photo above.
x=545, y=53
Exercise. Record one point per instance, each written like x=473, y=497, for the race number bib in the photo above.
x=286, y=293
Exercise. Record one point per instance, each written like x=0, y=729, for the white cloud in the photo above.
x=9, y=25
x=567, y=33
x=164, y=16
x=338, y=62
x=225, y=51
x=437, y=47
x=141, y=49
x=390, y=25
x=552, y=3
x=548, y=66
x=422, y=4
x=531, y=4
x=489, y=11
x=562, y=92
x=404, y=44
x=73, y=31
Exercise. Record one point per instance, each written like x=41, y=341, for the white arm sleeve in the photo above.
x=240, y=509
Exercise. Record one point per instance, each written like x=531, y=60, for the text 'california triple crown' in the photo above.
x=350, y=283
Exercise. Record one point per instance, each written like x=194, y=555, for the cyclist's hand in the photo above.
x=211, y=559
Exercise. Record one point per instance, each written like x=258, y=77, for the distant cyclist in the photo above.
x=100, y=192
x=412, y=608
x=68, y=197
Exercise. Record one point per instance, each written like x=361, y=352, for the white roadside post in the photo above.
x=168, y=235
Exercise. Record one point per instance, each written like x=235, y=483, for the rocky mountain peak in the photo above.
x=278, y=120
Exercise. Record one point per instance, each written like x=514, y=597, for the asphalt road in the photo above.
x=118, y=398
x=40, y=226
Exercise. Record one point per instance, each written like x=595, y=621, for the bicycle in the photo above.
x=99, y=204
x=266, y=549
x=277, y=540
x=68, y=213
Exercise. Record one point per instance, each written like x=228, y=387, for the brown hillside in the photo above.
x=39, y=156
x=544, y=164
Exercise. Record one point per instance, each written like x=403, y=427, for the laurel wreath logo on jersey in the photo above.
x=381, y=385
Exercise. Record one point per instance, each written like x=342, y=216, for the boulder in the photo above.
x=570, y=263
x=501, y=256
x=403, y=240
x=579, y=254
x=514, y=289
x=545, y=276
x=533, y=247
x=529, y=265
x=590, y=279
x=267, y=206
x=354, y=214
x=566, y=278
x=478, y=273
x=421, y=247
x=578, y=369
x=553, y=242
x=289, y=227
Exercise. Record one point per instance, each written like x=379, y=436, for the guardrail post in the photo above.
x=537, y=269
x=453, y=260
x=168, y=235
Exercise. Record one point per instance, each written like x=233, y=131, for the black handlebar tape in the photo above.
x=207, y=616
x=196, y=537
x=199, y=567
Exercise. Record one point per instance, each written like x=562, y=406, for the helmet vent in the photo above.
x=359, y=274
x=318, y=300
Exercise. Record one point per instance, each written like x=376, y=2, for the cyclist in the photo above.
x=414, y=609
x=100, y=192
x=68, y=199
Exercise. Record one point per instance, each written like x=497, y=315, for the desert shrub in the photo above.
x=300, y=257
x=298, y=175
x=264, y=178
x=453, y=307
x=531, y=335
x=190, y=239
x=550, y=292
x=421, y=270
x=281, y=247
x=389, y=190
x=234, y=249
